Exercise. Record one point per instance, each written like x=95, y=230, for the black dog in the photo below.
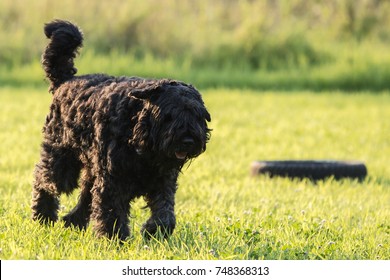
x=127, y=137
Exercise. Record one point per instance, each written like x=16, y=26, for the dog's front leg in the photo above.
x=110, y=210
x=161, y=204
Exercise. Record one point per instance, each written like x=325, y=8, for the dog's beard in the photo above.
x=172, y=153
x=186, y=147
x=184, y=142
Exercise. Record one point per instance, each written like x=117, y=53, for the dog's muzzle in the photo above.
x=186, y=148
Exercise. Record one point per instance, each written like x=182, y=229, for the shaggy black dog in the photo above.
x=118, y=137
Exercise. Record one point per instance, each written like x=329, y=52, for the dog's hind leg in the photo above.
x=56, y=173
x=80, y=215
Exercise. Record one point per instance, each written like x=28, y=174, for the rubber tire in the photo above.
x=311, y=169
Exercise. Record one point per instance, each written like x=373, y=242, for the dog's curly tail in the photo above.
x=57, y=59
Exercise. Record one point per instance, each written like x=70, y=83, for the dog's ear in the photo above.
x=142, y=93
x=146, y=89
x=141, y=132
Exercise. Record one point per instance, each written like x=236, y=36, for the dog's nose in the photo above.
x=188, y=141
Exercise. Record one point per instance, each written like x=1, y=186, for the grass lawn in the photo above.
x=222, y=212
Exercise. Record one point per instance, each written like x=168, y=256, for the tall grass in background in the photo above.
x=256, y=44
x=358, y=69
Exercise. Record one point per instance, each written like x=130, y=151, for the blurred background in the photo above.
x=269, y=44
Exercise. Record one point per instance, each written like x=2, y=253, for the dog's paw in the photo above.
x=158, y=228
x=75, y=221
x=45, y=218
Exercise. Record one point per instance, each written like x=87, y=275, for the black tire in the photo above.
x=312, y=169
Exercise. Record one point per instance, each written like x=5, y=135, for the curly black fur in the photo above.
x=117, y=137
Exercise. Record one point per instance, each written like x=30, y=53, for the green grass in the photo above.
x=222, y=212
x=359, y=67
x=289, y=45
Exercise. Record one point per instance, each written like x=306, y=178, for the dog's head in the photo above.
x=173, y=123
